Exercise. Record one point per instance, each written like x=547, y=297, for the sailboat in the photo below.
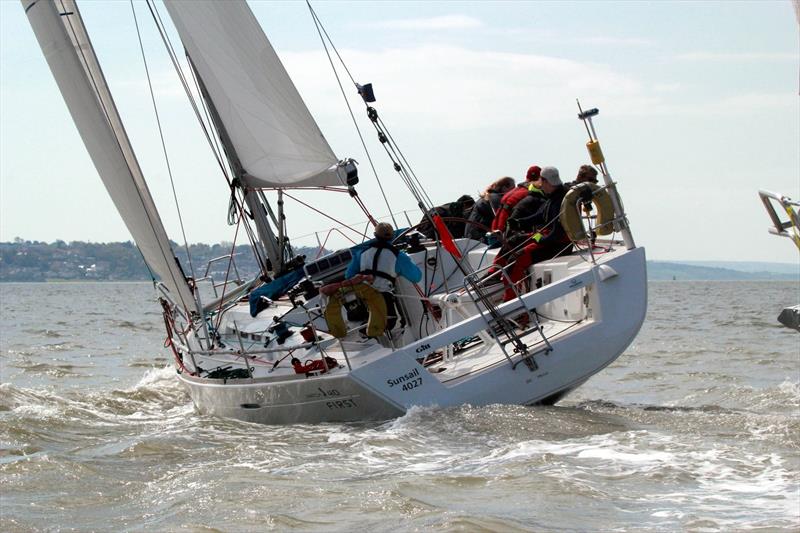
x=785, y=223
x=270, y=349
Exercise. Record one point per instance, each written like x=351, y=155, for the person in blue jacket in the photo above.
x=384, y=263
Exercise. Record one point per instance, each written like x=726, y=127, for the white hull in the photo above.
x=385, y=383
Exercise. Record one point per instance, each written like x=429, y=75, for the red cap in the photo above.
x=534, y=173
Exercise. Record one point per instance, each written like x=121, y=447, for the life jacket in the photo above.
x=314, y=366
x=379, y=261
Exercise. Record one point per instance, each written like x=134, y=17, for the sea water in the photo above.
x=696, y=427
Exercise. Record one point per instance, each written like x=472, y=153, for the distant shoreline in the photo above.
x=62, y=262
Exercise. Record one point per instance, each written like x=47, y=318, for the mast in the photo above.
x=250, y=196
x=268, y=133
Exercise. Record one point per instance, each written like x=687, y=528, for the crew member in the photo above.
x=513, y=197
x=384, y=263
x=585, y=173
x=460, y=209
x=551, y=240
x=529, y=205
x=486, y=207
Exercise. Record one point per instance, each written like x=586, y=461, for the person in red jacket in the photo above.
x=513, y=197
x=551, y=241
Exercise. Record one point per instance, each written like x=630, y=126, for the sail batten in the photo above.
x=275, y=138
x=62, y=36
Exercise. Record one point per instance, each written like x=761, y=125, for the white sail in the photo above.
x=276, y=139
x=62, y=36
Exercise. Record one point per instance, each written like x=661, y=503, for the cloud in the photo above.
x=547, y=35
x=740, y=56
x=624, y=41
x=667, y=87
x=450, y=88
x=454, y=87
x=753, y=102
x=445, y=22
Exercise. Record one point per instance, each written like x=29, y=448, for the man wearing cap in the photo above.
x=551, y=239
x=515, y=196
x=529, y=205
x=384, y=263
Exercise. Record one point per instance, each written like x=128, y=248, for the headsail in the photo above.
x=61, y=34
x=276, y=139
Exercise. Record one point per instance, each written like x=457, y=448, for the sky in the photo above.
x=699, y=109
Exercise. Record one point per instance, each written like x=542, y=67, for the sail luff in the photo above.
x=276, y=138
x=62, y=36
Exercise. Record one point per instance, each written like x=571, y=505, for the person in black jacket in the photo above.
x=551, y=239
x=527, y=207
x=486, y=207
x=458, y=209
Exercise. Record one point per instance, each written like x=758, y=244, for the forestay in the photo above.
x=276, y=139
x=62, y=36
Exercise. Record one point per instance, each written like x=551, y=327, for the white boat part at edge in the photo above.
x=788, y=228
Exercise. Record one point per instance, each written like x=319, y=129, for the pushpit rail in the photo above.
x=789, y=228
x=498, y=322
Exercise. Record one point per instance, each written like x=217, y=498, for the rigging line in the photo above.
x=249, y=230
x=234, y=210
x=382, y=128
x=175, y=63
x=210, y=138
x=418, y=192
x=88, y=73
x=298, y=237
x=391, y=153
x=163, y=143
x=412, y=183
x=323, y=214
x=216, y=148
x=227, y=274
x=318, y=24
x=370, y=218
x=314, y=14
x=403, y=157
x=405, y=177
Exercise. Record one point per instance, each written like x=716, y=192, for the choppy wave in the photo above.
x=696, y=428
x=133, y=326
x=156, y=392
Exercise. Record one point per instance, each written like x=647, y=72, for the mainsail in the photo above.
x=276, y=139
x=62, y=36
